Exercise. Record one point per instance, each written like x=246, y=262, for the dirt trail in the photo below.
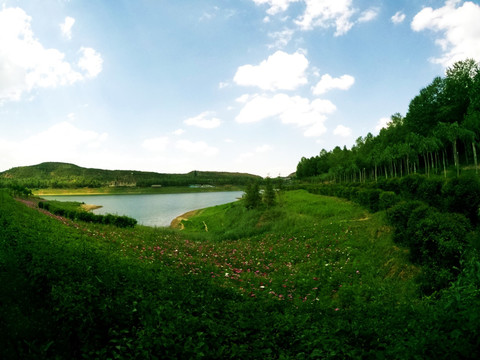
x=34, y=205
x=177, y=222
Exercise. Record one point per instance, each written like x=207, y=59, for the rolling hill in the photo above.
x=64, y=175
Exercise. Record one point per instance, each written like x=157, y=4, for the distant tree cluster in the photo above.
x=254, y=198
x=441, y=129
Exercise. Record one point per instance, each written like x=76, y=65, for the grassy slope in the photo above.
x=314, y=277
x=320, y=247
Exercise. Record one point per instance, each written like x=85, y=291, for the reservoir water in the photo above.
x=152, y=209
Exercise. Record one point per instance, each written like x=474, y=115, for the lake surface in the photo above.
x=152, y=209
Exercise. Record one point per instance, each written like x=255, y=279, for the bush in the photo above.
x=410, y=184
x=370, y=198
x=71, y=211
x=440, y=239
x=430, y=191
x=391, y=184
x=387, y=200
x=462, y=195
x=398, y=216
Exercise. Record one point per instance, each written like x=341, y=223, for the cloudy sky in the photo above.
x=223, y=85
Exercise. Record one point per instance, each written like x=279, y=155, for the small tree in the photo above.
x=252, y=195
x=269, y=194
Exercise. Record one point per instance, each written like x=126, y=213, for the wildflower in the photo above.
x=358, y=272
x=336, y=309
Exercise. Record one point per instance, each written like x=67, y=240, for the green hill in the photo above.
x=64, y=175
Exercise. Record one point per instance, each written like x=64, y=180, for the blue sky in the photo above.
x=226, y=85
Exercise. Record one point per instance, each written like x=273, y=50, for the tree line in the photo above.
x=62, y=175
x=441, y=130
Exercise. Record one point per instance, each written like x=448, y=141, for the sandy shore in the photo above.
x=177, y=222
x=88, y=207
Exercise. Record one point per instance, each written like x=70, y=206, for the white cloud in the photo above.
x=398, y=18
x=91, y=61
x=196, y=147
x=382, y=123
x=66, y=27
x=458, y=29
x=342, y=131
x=26, y=65
x=281, y=71
x=222, y=85
x=60, y=142
x=276, y=6
x=337, y=14
x=243, y=98
x=326, y=14
x=306, y=114
x=328, y=83
x=178, y=132
x=281, y=38
x=205, y=120
x=368, y=15
x=157, y=144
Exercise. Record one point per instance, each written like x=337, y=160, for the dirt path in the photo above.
x=177, y=222
x=34, y=205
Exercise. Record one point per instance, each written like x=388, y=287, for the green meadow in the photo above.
x=311, y=277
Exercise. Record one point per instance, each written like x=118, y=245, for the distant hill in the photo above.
x=63, y=175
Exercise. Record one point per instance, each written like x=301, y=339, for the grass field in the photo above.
x=313, y=277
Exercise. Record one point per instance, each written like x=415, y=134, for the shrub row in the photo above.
x=74, y=214
x=432, y=217
x=458, y=195
x=372, y=198
x=436, y=241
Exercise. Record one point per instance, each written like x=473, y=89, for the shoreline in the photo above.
x=132, y=191
x=177, y=222
x=90, y=207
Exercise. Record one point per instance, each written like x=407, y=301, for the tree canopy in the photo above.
x=441, y=128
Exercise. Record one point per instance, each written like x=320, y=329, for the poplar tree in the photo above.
x=252, y=195
x=269, y=194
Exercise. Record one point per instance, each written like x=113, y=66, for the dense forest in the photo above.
x=441, y=130
x=63, y=175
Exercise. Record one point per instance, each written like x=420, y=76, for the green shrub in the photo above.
x=398, y=216
x=387, y=200
x=462, y=195
x=430, y=191
x=410, y=184
x=391, y=184
x=369, y=198
x=437, y=241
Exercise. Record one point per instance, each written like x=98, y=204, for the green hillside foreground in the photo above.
x=58, y=175
x=313, y=277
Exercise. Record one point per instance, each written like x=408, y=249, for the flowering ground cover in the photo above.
x=325, y=256
x=313, y=277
